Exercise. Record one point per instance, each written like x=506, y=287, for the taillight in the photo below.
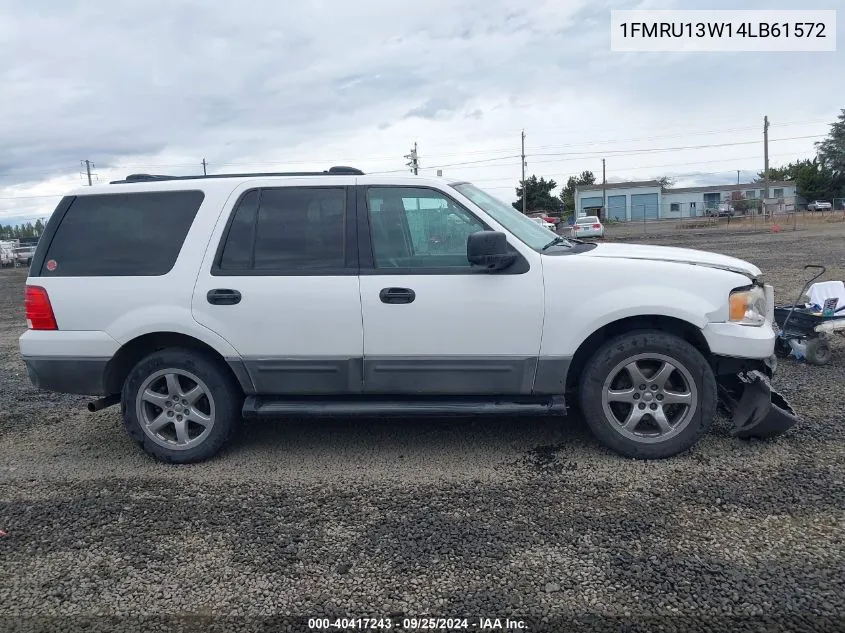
x=596, y=226
x=39, y=312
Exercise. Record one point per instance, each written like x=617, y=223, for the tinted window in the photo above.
x=285, y=230
x=237, y=253
x=123, y=234
x=418, y=228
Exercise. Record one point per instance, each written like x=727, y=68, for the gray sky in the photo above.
x=266, y=85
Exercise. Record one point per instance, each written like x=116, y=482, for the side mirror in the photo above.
x=490, y=250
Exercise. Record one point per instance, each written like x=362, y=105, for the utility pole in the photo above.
x=737, y=176
x=204, y=173
x=604, y=189
x=524, y=192
x=88, y=170
x=413, y=160
x=765, y=160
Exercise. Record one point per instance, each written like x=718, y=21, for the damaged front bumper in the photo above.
x=758, y=410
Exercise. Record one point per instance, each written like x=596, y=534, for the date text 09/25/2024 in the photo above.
x=723, y=29
x=416, y=624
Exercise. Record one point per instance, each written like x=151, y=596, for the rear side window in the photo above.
x=290, y=230
x=238, y=251
x=122, y=235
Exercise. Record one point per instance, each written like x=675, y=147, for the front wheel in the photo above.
x=648, y=395
x=180, y=405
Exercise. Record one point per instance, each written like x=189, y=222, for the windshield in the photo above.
x=590, y=219
x=525, y=229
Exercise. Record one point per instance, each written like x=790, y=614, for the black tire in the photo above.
x=695, y=420
x=818, y=351
x=782, y=347
x=225, y=403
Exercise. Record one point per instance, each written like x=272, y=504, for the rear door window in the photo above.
x=122, y=234
x=286, y=231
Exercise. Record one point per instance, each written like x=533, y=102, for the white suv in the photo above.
x=196, y=301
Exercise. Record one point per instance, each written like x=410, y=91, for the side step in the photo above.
x=373, y=406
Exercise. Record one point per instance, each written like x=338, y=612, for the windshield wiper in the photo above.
x=557, y=240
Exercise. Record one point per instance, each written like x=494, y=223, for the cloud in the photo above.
x=433, y=108
x=160, y=85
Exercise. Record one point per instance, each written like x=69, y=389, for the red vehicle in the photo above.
x=548, y=218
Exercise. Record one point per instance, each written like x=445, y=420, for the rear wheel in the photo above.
x=648, y=395
x=818, y=351
x=180, y=405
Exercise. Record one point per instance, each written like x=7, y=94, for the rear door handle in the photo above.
x=223, y=297
x=397, y=295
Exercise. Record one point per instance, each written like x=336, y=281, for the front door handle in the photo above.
x=397, y=295
x=223, y=297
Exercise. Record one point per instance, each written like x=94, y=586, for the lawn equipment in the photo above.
x=804, y=330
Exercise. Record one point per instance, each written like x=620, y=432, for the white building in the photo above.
x=645, y=199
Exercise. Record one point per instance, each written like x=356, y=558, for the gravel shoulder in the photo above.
x=522, y=518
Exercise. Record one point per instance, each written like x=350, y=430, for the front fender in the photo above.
x=569, y=323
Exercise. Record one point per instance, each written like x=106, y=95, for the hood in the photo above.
x=679, y=255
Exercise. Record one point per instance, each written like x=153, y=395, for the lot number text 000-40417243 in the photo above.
x=704, y=31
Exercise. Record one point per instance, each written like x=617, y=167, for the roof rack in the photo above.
x=332, y=171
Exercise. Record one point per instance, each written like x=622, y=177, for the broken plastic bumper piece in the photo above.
x=758, y=411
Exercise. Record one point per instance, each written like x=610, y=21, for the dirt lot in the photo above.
x=524, y=519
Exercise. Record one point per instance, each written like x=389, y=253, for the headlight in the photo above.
x=748, y=307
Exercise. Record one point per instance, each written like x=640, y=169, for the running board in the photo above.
x=363, y=406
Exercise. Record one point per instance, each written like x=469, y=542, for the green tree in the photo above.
x=567, y=194
x=813, y=181
x=538, y=196
x=831, y=151
x=39, y=227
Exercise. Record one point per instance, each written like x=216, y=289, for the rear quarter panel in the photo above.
x=128, y=307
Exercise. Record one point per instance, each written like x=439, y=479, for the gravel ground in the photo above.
x=524, y=518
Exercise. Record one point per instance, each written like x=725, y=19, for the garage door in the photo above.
x=617, y=207
x=591, y=203
x=644, y=206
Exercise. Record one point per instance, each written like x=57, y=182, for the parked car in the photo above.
x=7, y=252
x=310, y=294
x=542, y=222
x=724, y=210
x=819, y=205
x=588, y=226
x=548, y=218
x=24, y=255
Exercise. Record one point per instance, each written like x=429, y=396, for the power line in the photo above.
x=679, y=125
x=476, y=152
x=641, y=167
x=624, y=152
x=443, y=155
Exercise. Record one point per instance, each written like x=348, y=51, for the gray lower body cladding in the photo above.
x=744, y=388
x=410, y=375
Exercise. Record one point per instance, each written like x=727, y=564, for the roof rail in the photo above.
x=332, y=171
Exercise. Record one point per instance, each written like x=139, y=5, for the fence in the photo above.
x=777, y=215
